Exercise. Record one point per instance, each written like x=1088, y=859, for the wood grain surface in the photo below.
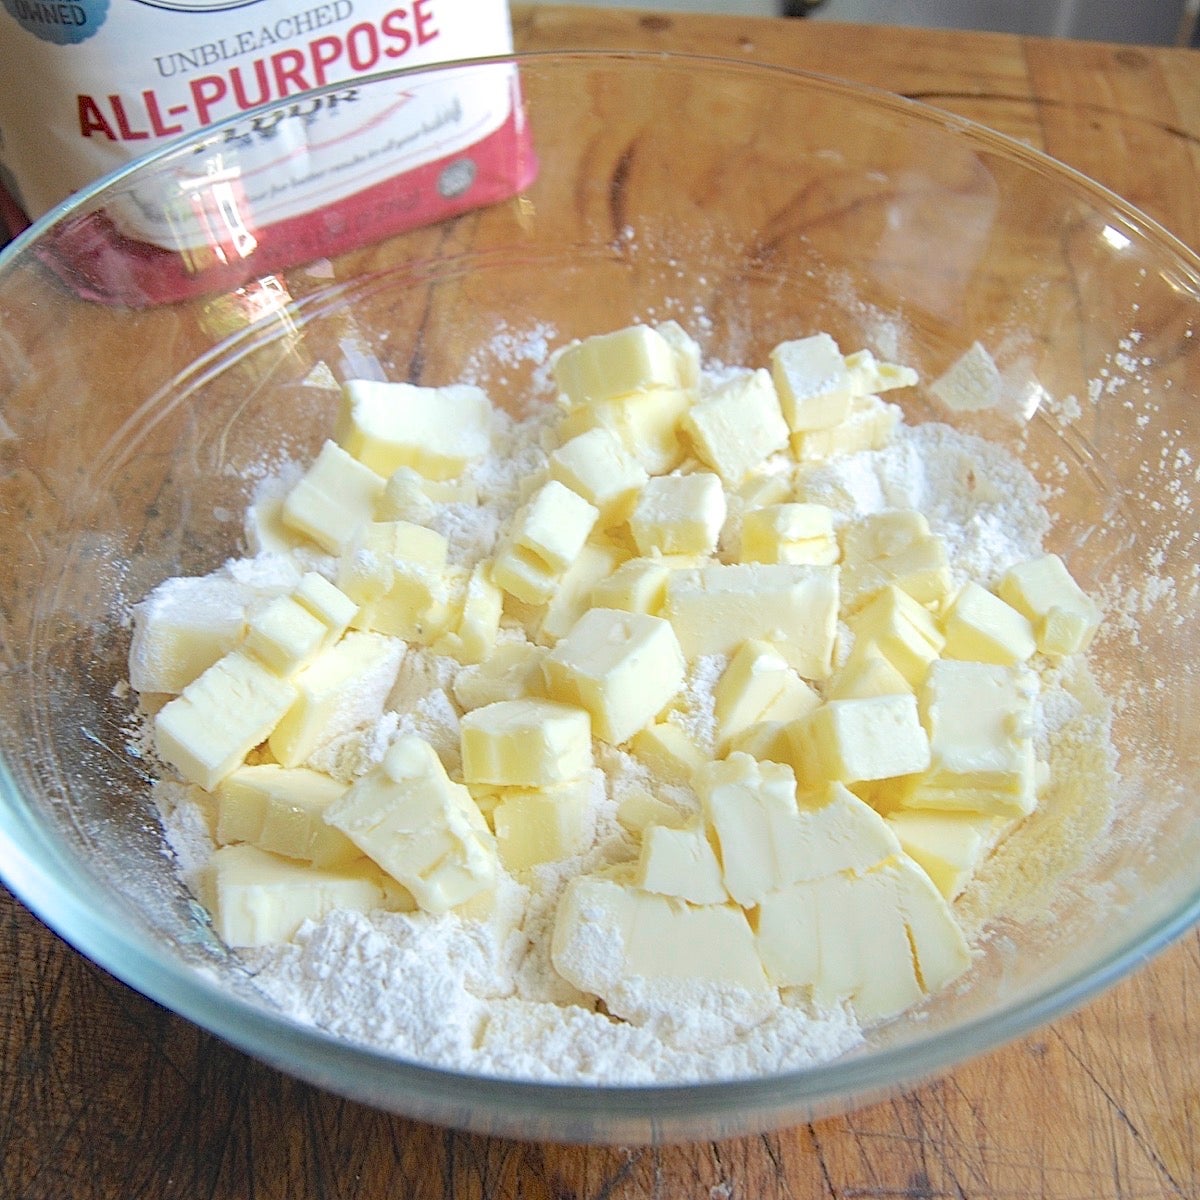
x=105, y=1095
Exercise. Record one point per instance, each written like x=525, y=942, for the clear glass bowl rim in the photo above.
x=28, y=858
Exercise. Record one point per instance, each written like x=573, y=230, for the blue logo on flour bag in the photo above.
x=63, y=22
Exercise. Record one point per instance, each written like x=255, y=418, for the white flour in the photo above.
x=481, y=995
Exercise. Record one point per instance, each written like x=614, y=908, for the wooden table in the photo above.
x=103, y=1094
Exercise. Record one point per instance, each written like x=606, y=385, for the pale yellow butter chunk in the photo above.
x=789, y=533
x=686, y=350
x=855, y=741
x=367, y=569
x=511, y=671
x=679, y=514
x=713, y=609
x=473, y=635
x=573, y=595
x=812, y=382
x=545, y=537
x=333, y=499
x=681, y=863
x=869, y=376
x=881, y=940
x=436, y=431
x=736, y=426
x=622, y=667
x=260, y=899
x=757, y=686
x=607, y=933
x=893, y=547
x=979, y=717
x=982, y=627
x=282, y=809
x=637, y=585
x=597, y=466
x=668, y=750
x=947, y=846
x=864, y=675
x=420, y=826
x=344, y=687
x=292, y=629
x=870, y=425
x=541, y=825
x=639, y=810
x=900, y=629
x=182, y=628
x=208, y=730
x=1064, y=616
x=526, y=743
x=970, y=384
x=647, y=424
x=611, y=366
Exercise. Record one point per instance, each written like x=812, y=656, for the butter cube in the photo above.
x=686, y=350
x=367, y=571
x=865, y=675
x=681, y=863
x=622, y=667
x=679, y=514
x=526, y=743
x=870, y=425
x=893, y=548
x=668, y=750
x=735, y=427
x=474, y=636
x=511, y=671
x=258, y=899
x=714, y=609
x=282, y=810
x=982, y=627
x=597, y=466
x=182, y=628
x=1064, y=616
x=639, y=810
x=757, y=685
x=766, y=741
x=210, y=727
x=545, y=537
x=543, y=825
x=789, y=533
x=947, y=846
x=979, y=717
x=422, y=828
x=436, y=431
x=881, y=940
x=651, y=938
x=292, y=629
x=859, y=740
x=971, y=383
x=342, y=688
x=573, y=595
x=759, y=490
x=647, y=424
x=637, y=585
x=869, y=376
x=610, y=366
x=334, y=497
x=901, y=630
x=812, y=381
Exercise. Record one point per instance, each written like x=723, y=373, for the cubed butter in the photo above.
x=541, y=825
x=679, y=514
x=544, y=539
x=736, y=426
x=512, y=671
x=597, y=466
x=526, y=743
x=893, y=547
x=623, y=668
x=980, y=626
x=472, y=637
x=573, y=595
x=1064, y=616
x=637, y=585
x=420, y=826
x=668, y=750
x=435, y=431
x=947, y=846
x=334, y=497
x=714, y=609
x=899, y=628
x=812, y=382
x=869, y=376
x=864, y=675
x=789, y=533
x=610, y=366
x=291, y=630
x=210, y=727
x=757, y=685
x=680, y=862
x=259, y=899
x=870, y=425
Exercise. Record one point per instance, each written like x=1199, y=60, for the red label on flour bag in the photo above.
x=90, y=84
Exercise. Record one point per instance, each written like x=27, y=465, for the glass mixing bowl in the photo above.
x=753, y=205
